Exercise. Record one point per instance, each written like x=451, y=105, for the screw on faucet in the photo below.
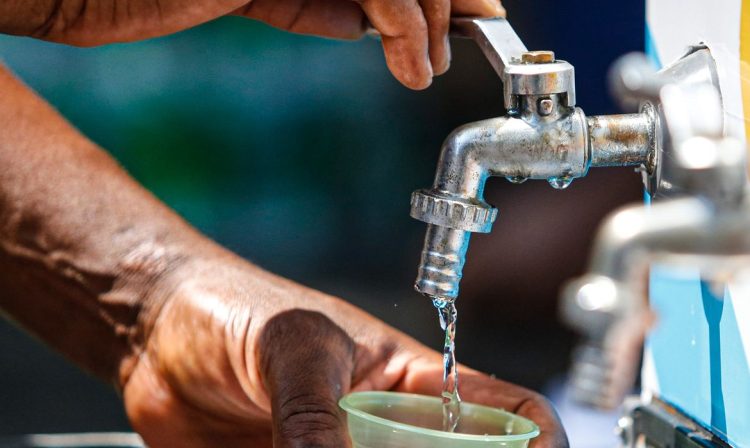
x=538, y=57
x=545, y=106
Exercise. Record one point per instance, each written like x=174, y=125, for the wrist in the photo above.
x=166, y=277
x=151, y=274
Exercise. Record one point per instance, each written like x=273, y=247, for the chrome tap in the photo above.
x=703, y=224
x=543, y=136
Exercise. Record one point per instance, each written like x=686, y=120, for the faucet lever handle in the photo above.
x=495, y=37
x=633, y=79
x=523, y=72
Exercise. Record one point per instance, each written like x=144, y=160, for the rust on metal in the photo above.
x=538, y=57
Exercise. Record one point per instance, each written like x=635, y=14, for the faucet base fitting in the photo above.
x=452, y=211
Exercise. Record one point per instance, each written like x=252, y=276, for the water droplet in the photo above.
x=560, y=183
x=516, y=179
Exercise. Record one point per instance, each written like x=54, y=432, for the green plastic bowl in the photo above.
x=397, y=420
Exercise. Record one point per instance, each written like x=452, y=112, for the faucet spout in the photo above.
x=707, y=230
x=558, y=147
x=627, y=235
x=543, y=136
x=609, y=306
x=513, y=147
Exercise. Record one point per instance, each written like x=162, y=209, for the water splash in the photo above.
x=450, y=395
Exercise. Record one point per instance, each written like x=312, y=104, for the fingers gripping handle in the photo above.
x=523, y=73
x=495, y=37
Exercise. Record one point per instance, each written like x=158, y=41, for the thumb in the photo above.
x=306, y=364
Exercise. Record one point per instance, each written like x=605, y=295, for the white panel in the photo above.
x=739, y=292
x=649, y=380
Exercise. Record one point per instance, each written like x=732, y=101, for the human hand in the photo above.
x=414, y=32
x=239, y=357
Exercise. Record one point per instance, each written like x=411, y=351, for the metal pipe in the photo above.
x=555, y=145
x=622, y=140
x=554, y=149
x=628, y=234
x=514, y=148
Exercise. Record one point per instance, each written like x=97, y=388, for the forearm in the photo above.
x=97, y=22
x=82, y=245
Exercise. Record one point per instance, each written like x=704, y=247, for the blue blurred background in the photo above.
x=300, y=154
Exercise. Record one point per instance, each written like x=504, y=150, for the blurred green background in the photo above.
x=300, y=154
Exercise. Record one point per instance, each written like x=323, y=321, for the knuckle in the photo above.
x=54, y=19
x=303, y=337
x=309, y=418
x=296, y=16
x=298, y=326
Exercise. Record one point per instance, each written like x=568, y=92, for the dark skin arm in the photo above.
x=207, y=349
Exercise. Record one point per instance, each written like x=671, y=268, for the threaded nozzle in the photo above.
x=593, y=378
x=442, y=263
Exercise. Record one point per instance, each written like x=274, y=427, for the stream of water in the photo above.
x=450, y=395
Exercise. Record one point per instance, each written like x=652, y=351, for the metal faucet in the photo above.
x=703, y=225
x=543, y=136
